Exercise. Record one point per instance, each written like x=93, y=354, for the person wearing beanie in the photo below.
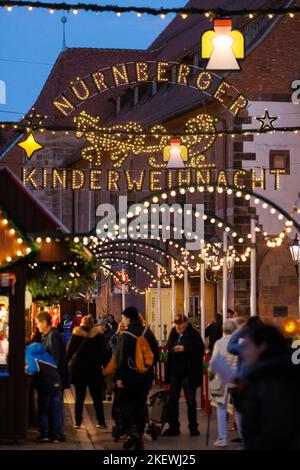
x=133, y=385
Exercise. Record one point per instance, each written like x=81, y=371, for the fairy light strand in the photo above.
x=162, y=12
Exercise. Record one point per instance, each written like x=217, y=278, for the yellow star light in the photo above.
x=30, y=145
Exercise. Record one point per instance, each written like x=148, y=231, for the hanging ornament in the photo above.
x=266, y=121
x=30, y=145
x=175, y=154
x=222, y=46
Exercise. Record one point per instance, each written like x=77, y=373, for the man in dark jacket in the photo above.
x=54, y=344
x=184, y=370
x=134, y=386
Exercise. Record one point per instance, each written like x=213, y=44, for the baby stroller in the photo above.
x=157, y=415
x=157, y=412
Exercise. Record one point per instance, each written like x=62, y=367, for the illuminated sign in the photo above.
x=129, y=74
x=167, y=160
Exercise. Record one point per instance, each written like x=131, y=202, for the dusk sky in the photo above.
x=31, y=41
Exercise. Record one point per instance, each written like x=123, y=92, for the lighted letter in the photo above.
x=63, y=105
x=120, y=74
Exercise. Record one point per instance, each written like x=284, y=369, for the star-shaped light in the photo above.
x=30, y=145
x=266, y=121
x=34, y=120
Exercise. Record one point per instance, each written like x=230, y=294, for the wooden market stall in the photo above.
x=21, y=216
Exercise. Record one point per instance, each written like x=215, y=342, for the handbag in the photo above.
x=216, y=387
x=75, y=356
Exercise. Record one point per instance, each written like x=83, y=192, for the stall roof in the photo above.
x=28, y=213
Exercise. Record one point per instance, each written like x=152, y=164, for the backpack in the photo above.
x=144, y=357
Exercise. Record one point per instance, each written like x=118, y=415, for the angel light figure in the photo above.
x=222, y=46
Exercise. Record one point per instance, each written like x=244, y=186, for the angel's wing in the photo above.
x=206, y=44
x=238, y=45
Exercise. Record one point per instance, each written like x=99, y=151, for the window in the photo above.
x=4, y=338
x=280, y=311
x=280, y=160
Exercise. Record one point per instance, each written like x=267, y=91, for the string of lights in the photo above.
x=142, y=245
x=162, y=12
x=128, y=253
x=230, y=132
x=21, y=245
x=267, y=204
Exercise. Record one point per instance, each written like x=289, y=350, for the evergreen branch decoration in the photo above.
x=50, y=283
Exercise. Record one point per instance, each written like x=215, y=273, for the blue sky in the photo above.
x=31, y=40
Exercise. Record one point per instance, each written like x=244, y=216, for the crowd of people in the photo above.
x=251, y=376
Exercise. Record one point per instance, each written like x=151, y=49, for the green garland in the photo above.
x=51, y=283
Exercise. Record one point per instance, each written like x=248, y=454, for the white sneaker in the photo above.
x=220, y=443
x=79, y=426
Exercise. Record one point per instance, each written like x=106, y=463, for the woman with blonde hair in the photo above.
x=87, y=356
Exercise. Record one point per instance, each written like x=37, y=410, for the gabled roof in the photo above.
x=79, y=62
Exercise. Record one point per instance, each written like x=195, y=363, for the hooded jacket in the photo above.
x=88, y=347
x=43, y=367
x=270, y=405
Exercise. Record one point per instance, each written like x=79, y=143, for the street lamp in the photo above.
x=295, y=252
x=215, y=259
x=229, y=260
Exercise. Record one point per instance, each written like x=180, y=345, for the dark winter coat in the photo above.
x=91, y=358
x=54, y=345
x=213, y=332
x=125, y=351
x=188, y=363
x=107, y=335
x=270, y=406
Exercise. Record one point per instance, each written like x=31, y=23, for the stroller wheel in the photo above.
x=154, y=431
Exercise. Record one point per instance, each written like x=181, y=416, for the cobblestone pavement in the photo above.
x=91, y=438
